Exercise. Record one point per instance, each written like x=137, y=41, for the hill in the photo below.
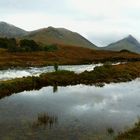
x=129, y=43
x=61, y=36
x=11, y=31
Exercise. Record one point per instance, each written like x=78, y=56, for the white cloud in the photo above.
x=102, y=21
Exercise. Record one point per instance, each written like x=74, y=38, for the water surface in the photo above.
x=71, y=113
x=34, y=71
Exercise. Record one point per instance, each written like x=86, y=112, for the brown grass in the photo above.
x=64, y=55
x=131, y=134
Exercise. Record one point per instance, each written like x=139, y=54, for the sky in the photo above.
x=100, y=21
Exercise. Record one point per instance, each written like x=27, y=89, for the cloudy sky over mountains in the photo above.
x=101, y=21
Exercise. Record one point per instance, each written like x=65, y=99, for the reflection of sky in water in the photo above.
x=114, y=105
x=18, y=73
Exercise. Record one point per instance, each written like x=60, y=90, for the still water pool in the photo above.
x=71, y=113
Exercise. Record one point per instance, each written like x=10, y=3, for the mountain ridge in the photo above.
x=128, y=43
x=46, y=36
x=11, y=31
x=61, y=36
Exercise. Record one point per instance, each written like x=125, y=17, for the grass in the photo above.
x=131, y=134
x=63, y=55
x=110, y=131
x=100, y=75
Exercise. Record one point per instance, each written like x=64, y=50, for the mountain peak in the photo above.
x=2, y=23
x=130, y=37
x=52, y=35
x=128, y=43
x=132, y=40
x=50, y=27
x=9, y=30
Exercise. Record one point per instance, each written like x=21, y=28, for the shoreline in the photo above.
x=132, y=133
x=26, y=66
x=99, y=76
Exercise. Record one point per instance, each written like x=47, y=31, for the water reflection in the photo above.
x=84, y=112
x=34, y=71
x=55, y=88
x=45, y=120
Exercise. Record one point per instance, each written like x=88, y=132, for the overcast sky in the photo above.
x=101, y=21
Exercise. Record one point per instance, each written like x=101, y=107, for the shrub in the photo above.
x=56, y=67
x=8, y=43
x=51, y=48
x=124, y=50
x=29, y=45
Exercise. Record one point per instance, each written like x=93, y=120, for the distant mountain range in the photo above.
x=47, y=36
x=11, y=31
x=129, y=43
x=63, y=36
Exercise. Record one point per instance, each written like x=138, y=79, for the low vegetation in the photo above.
x=8, y=43
x=100, y=75
x=131, y=134
x=61, y=55
x=56, y=67
x=24, y=45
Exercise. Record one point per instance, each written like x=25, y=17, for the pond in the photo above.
x=34, y=71
x=71, y=113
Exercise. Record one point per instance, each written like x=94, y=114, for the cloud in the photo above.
x=101, y=21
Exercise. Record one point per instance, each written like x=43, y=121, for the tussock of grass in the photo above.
x=131, y=134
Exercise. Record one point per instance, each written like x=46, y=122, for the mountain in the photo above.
x=129, y=43
x=61, y=36
x=11, y=31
